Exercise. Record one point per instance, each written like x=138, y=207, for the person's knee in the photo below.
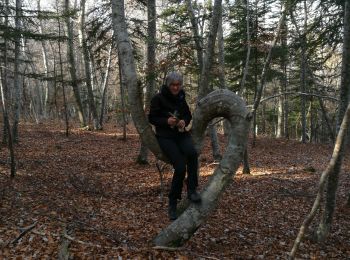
x=191, y=153
x=180, y=168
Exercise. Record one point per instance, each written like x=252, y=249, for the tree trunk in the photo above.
x=122, y=97
x=197, y=38
x=16, y=80
x=151, y=68
x=222, y=103
x=246, y=66
x=105, y=84
x=332, y=184
x=218, y=103
x=205, y=61
x=72, y=66
x=214, y=141
x=66, y=120
x=46, y=65
x=221, y=56
x=280, y=106
x=204, y=80
x=6, y=126
x=326, y=119
x=204, y=84
x=266, y=66
x=7, y=123
x=88, y=76
x=303, y=76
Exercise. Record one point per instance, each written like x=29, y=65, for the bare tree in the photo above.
x=88, y=76
x=72, y=64
x=17, y=86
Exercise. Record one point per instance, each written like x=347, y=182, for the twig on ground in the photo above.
x=24, y=231
x=167, y=248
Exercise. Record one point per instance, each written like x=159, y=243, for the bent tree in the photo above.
x=219, y=103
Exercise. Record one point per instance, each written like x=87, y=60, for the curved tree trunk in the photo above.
x=220, y=103
x=127, y=64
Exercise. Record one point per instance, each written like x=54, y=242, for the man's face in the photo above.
x=175, y=87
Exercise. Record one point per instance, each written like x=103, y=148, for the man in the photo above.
x=170, y=114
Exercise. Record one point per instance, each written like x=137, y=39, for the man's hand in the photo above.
x=181, y=124
x=172, y=121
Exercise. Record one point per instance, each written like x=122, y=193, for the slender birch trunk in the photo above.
x=105, y=84
x=6, y=125
x=46, y=64
x=72, y=65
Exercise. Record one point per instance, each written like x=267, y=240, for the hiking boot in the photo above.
x=172, y=210
x=194, y=197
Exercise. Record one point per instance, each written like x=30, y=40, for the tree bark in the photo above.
x=72, y=66
x=88, y=76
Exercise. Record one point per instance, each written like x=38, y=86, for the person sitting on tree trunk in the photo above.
x=170, y=114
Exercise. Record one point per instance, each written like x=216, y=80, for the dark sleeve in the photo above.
x=187, y=114
x=155, y=116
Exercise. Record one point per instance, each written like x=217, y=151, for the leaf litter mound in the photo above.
x=86, y=194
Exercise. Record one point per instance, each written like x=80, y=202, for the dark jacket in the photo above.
x=164, y=103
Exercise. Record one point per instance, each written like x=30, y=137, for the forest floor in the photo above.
x=87, y=192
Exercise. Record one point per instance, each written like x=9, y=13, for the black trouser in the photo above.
x=181, y=153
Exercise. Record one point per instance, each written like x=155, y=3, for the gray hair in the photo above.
x=173, y=76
